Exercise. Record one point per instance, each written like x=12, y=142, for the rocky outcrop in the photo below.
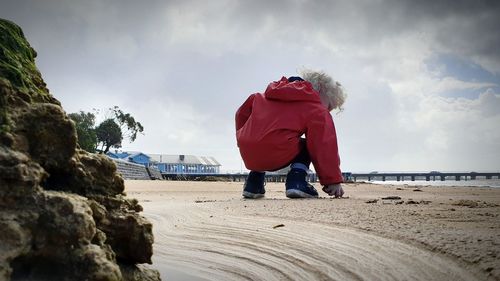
x=63, y=211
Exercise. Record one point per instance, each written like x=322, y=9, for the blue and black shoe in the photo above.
x=297, y=186
x=254, y=185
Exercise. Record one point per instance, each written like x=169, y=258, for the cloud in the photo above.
x=462, y=130
x=453, y=84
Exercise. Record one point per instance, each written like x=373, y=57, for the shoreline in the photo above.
x=459, y=224
x=493, y=183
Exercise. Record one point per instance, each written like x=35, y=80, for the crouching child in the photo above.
x=290, y=124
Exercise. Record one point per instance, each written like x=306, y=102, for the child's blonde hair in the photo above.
x=330, y=92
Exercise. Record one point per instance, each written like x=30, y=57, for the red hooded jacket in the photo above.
x=269, y=126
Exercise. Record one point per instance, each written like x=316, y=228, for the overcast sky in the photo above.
x=422, y=77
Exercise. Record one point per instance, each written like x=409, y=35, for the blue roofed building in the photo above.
x=117, y=155
x=140, y=158
x=185, y=164
x=171, y=164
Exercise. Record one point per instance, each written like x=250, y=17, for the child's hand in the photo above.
x=334, y=190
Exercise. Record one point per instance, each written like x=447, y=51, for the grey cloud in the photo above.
x=469, y=28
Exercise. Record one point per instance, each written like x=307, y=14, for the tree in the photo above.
x=109, y=135
x=84, y=123
x=128, y=125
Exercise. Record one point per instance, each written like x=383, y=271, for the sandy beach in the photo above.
x=207, y=231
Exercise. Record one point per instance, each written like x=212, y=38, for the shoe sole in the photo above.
x=251, y=195
x=295, y=193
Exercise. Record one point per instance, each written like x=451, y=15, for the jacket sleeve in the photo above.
x=243, y=113
x=323, y=148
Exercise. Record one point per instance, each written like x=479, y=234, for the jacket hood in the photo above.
x=291, y=91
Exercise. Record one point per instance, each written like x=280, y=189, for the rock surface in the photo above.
x=63, y=212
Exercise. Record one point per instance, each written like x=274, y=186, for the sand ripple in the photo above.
x=197, y=242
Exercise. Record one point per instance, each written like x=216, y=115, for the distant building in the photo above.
x=185, y=164
x=171, y=164
x=134, y=157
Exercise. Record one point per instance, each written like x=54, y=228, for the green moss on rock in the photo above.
x=4, y=118
x=17, y=61
x=20, y=80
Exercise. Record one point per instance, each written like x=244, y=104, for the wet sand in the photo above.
x=206, y=231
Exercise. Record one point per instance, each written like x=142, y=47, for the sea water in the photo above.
x=473, y=183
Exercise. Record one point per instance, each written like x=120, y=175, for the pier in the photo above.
x=240, y=177
x=424, y=176
x=312, y=177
